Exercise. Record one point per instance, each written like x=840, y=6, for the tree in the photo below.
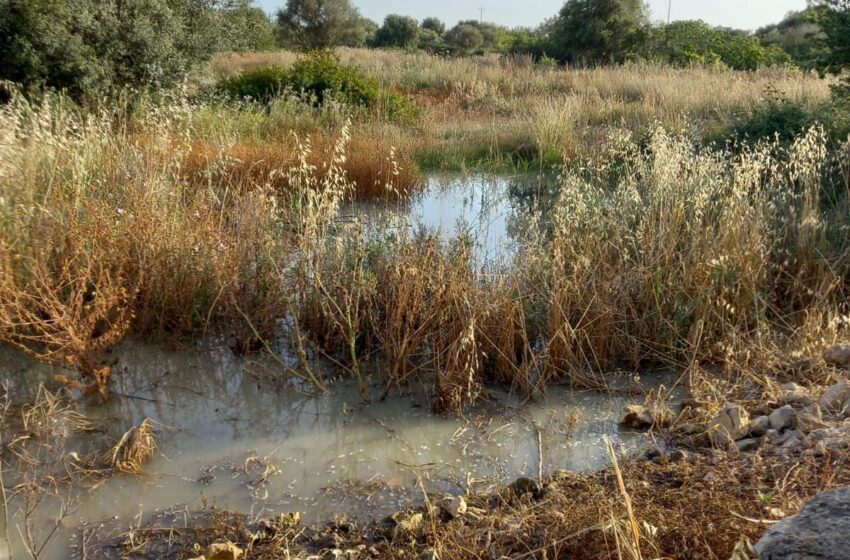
x=465, y=38
x=244, y=27
x=429, y=40
x=398, y=31
x=835, y=22
x=599, y=31
x=319, y=24
x=696, y=42
x=87, y=47
x=799, y=34
x=434, y=24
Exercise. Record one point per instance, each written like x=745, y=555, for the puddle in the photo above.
x=330, y=454
x=480, y=208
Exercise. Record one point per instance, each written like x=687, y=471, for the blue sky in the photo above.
x=744, y=14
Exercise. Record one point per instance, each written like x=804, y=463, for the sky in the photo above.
x=742, y=14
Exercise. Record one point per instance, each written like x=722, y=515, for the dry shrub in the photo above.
x=134, y=449
x=70, y=295
x=670, y=253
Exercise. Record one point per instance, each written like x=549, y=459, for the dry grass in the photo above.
x=374, y=168
x=496, y=105
x=134, y=449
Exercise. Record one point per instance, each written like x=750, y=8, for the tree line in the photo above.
x=89, y=46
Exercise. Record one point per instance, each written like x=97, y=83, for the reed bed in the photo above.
x=656, y=250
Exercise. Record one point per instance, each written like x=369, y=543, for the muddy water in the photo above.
x=236, y=433
x=479, y=208
x=326, y=454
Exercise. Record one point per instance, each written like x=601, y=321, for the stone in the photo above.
x=453, y=506
x=821, y=530
x=678, y=456
x=828, y=440
x=783, y=418
x=328, y=541
x=688, y=429
x=759, y=426
x=729, y=425
x=745, y=445
x=835, y=397
x=407, y=524
x=792, y=439
x=810, y=419
x=223, y=551
x=837, y=355
x=791, y=393
x=636, y=416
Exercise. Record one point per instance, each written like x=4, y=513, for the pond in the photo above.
x=322, y=455
x=236, y=432
x=490, y=211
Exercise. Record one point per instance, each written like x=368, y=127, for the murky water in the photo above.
x=478, y=208
x=235, y=432
x=327, y=454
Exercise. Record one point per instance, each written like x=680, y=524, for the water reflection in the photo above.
x=490, y=212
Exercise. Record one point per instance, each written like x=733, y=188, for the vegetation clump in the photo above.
x=318, y=78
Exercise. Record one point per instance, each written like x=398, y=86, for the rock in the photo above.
x=223, y=551
x=835, y=397
x=791, y=393
x=453, y=506
x=678, y=456
x=783, y=418
x=689, y=429
x=636, y=416
x=328, y=541
x=407, y=524
x=759, y=426
x=792, y=439
x=838, y=355
x=745, y=445
x=821, y=530
x=810, y=419
x=729, y=425
x=828, y=440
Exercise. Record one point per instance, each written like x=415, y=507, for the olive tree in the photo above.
x=87, y=47
x=599, y=31
x=322, y=24
x=835, y=23
x=398, y=31
x=434, y=24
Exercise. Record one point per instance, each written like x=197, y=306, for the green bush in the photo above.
x=775, y=116
x=89, y=47
x=258, y=85
x=319, y=74
x=316, y=78
x=786, y=118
